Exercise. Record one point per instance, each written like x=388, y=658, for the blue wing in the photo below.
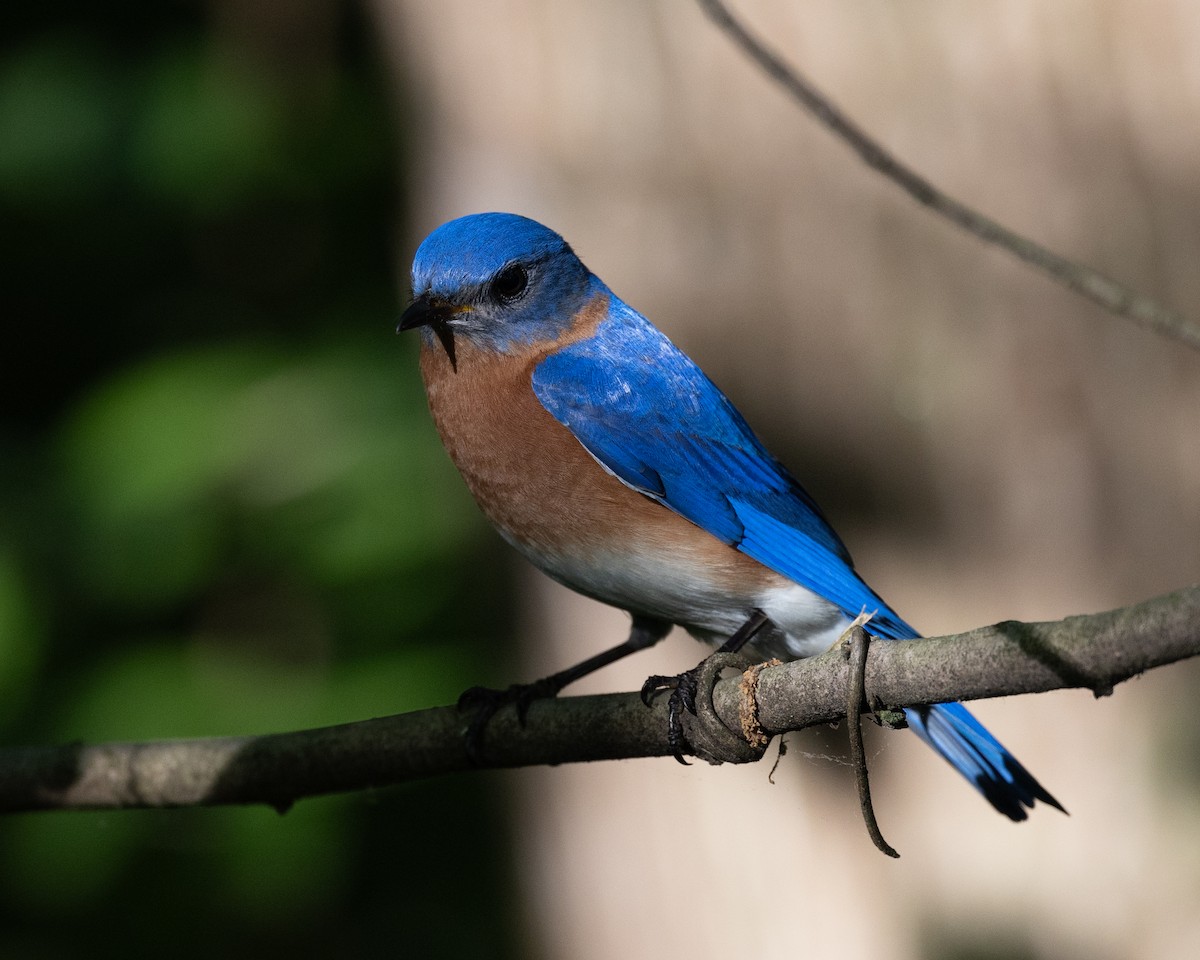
x=649, y=415
x=645, y=411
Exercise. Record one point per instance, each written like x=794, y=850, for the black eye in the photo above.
x=510, y=284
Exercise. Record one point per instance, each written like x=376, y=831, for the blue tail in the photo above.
x=951, y=730
x=966, y=744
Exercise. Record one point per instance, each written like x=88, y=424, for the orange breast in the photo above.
x=529, y=474
x=542, y=489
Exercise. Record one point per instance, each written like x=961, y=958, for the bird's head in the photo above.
x=497, y=281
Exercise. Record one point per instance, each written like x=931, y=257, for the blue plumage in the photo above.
x=650, y=416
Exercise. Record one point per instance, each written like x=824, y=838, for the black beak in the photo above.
x=423, y=312
x=420, y=313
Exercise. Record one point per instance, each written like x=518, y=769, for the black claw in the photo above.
x=654, y=685
x=683, y=689
x=526, y=693
x=486, y=702
x=686, y=685
x=483, y=702
x=675, y=737
x=476, y=698
x=689, y=685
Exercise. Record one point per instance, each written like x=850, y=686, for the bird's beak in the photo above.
x=422, y=312
x=435, y=314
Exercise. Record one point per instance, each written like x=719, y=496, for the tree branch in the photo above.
x=1090, y=283
x=1094, y=652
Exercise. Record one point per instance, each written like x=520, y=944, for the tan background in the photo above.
x=989, y=445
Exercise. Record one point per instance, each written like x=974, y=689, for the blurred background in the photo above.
x=223, y=508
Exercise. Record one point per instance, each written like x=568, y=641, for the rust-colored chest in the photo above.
x=549, y=497
x=528, y=473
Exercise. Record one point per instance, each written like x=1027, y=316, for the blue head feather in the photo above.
x=456, y=270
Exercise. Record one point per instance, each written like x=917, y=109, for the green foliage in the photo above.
x=58, y=121
x=224, y=509
x=21, y=638
x=326, y=454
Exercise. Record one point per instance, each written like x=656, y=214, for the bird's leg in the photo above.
x=683, y=686
x=485, y=702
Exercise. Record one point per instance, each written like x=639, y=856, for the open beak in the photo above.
x=434, y=314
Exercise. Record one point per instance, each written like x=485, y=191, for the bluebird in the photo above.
x=603, y=453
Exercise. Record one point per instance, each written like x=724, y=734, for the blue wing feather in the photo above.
x=648, y=414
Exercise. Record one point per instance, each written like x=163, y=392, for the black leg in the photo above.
x=683, y=685
x=485, y=701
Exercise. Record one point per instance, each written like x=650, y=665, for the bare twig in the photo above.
x=1092, y=284
x=1094, y=652
x=855, y=697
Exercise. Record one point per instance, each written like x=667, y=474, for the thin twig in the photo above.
x=1110, y=294
x=855, y=696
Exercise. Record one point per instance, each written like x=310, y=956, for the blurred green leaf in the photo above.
x=275, y=869
x=60, y=863
x=58, y=121
x=321, y=453
x=212, y=130
x=226, y=510
x=173, y=688
x=145, y=461
x=167, y=689
x=21, y=637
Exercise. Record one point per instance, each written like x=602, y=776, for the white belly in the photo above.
x=707, y=602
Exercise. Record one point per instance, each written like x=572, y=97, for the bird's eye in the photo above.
x=510, y=284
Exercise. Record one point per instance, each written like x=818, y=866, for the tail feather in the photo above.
x=966, y=744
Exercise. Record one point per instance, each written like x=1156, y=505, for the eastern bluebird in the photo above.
x=606, y=456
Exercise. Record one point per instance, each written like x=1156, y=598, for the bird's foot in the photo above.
x=707, y=736
x=683, y=687
x=485, y=702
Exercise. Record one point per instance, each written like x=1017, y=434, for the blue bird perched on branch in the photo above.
x=605, y=455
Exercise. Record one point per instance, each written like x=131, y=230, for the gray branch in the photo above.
x=1094, y=652
x=1084, y=280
